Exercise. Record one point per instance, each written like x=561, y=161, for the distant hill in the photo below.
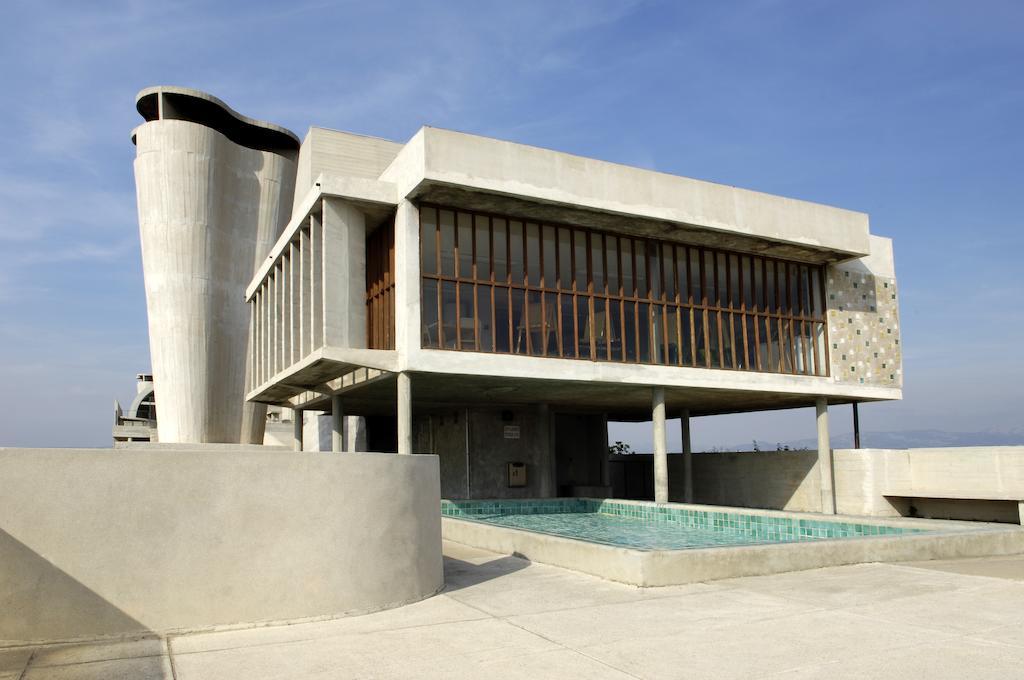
x=901, y=439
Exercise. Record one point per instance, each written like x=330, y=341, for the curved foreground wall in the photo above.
x=214, y=191
x=115, y=542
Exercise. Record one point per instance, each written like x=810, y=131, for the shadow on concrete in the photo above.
x=41, y=602
x=459, y=574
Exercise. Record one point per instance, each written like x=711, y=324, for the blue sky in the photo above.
x=910, y=111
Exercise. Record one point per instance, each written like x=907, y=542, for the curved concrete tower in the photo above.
x=214, y=191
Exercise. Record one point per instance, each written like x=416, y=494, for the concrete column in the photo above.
x=825, y=469
x=404, y=413
x=684, y=426
x=606, y=473
x=660, y=445
x=1020, y=513
x=296, y=429
x=337, y=424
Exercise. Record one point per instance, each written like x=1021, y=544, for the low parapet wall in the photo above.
x=983, y=482
x=103, y=542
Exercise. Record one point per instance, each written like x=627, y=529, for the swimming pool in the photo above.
x=645, y=526
x=647, y=544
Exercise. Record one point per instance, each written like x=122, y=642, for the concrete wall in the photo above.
x=334, y=152
x=976, y=483
x=209, y=210
x=104, y=542
x=474, y=454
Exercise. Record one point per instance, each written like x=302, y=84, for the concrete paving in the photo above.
x=503, y=617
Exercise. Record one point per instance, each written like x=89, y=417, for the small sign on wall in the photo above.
x=511, y=432
x=516, y=474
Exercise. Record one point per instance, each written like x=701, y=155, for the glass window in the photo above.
x=449, y=315
x=500, y=249
x=533, y=254
x=515, y=231
x=568, y=316
x=467, y=316
x=428, y=241
x=583, y=325
x=600, y=328
x=447, y=243
x=465, y=245
x=483, y=248
x=550, y=261
x=597, y=262
x=666, y=303
x=626, y=248
x=629, y=330
x=501, y=321
x=579, y=246
x=484, y=321
x=428, y=310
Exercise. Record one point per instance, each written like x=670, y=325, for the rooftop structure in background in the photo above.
x=492, y=302
x=139, y=424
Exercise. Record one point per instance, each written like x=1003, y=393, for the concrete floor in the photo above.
x=502, y=617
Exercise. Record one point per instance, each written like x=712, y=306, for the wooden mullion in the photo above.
x=575, y=300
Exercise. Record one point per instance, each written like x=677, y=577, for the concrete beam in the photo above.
x=660, y=445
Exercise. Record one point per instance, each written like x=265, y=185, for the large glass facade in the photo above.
x=495, y=283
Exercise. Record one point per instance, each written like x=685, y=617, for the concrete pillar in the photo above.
x=606, y=473
x=404, y=390
x=825, y=468
x=684, y=426
x=337, y=424
x=660, y=445
x=296, y=429
x=1020, y=513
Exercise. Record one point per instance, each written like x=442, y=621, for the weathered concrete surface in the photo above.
x=503, y=617
x=105, y=542
x=977, y=483
x=209, y=210
x=436, y=158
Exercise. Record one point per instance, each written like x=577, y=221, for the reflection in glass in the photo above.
x=465, y=245
x=515, y=232
x=467, y=316
x=600, y=329
x=629, y=330
x=447, y=243
x=483, y=310
x=428, y=309
x=501, y=320
x=551, y=324
x=568, y=327
x=483, y=248
x=500, y=249
x=449, y=314
x=550, y=265
x=583, y=326
x=518, y=321
x=428, y=241
x=533, y=254
x=535, y=315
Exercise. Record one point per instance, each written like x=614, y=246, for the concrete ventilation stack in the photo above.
x=214, y=192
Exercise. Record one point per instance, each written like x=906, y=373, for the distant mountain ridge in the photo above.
x=900, y=439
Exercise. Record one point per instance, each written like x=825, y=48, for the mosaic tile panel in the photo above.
x=863, y=327
x=647, y=526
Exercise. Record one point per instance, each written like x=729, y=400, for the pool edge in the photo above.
x=653, y=568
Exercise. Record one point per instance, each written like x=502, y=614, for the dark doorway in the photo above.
x=382, y=434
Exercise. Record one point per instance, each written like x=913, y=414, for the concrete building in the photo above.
x=139, y=423
x=490, y=302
